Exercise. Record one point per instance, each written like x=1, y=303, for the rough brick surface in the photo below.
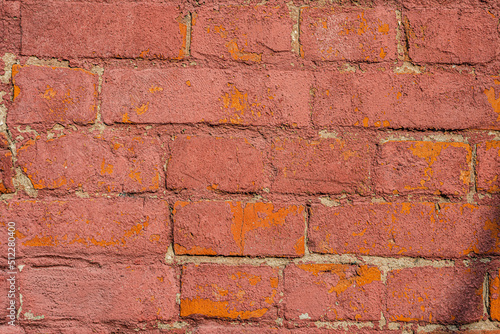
x=494, y=297
x=127, y=294
x=122, y=30
x=6, y=168
x=229, y=292
x=423, y=167
x=10, y=27
x=351, y=34
x=435, y=295
x=45, y=96
x=445, y=230
x=214, y=96
x=236, y=228
x=321, y=165
x=93, y=162
x=333, y=292
x=243, y=33
x=381, y=99
x=90, y=227
x=452, y=35
x=488, y=165
x=213, y=163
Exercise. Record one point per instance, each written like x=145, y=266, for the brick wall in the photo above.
x=251, y=167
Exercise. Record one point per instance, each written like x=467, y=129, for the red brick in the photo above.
x=8, y=282
x=352, y=34
x=90, y=227
x=488, y=164
x=231, y=329
x=423, y=167
x=351, y=329
x=45, y=96
x=94, y=294
x=6, y=172
x=434, y=100
x=322, y=165
x=111, y=162
x=444, y=230
x=494, y=297
x=122, y=30
x=229, y=292
x=236, y=228
x=333, y=292
x=443, y=35
x=450, y=295
x=8, y=329
x=193, y=95
x=10, y=27
x=225, y=164
x=244, y=33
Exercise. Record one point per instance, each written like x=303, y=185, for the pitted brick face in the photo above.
x=227, y=167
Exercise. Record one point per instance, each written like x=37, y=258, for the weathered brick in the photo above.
x=351, y=329
x=244, y=33
x=8, y=289
x=444, y=230
x=348, y=33
x=230, y=292
x=236, y=228
x=90, y=227
x=435, y=100
x=441, y=35
x=231, y=329
x=423, y=167
x=122, y=30
x=215, y=96
x=494, y=297
x=321, y=165
x=94, y=294
x=45, y=96
x=10, y=27
x=225, y=164
x=333, y=292
x=449, y=295
x=111, y=162
x=488, y=165
x=6, y=172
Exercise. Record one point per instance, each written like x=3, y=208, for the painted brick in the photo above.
x=45, y=96
x=333, y=292
x=445, y=230
x=351, y=34
x=236, y=228
x=423, y=167
x=229, y=292
x=488, y=165
x=494, y=297
x=111, y=162
x=435, y=100
x=122, y=30
x=6, y=168
x=115, y=293
x=351, y=329
x=10, y=27
x=450, y=295
x=7, y=285
x=214, y=329
x=128, y=227
x=442, y=35
x=215, y=96
x=321, y=165
x=244, y=33
x=225, y=164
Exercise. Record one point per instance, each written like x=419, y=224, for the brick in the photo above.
x=45, y=96
x=443, y=35
x=111, y=162
x=128, y=227
x=423, y=167
x=229, y=292
x=6, y=172
x=444, y=230
x=351, y=34
x=321, y=165
x=437, y=99
x=236, y=228
x=7, y=286
x=8, y=329
x=333, y=292
x=231, y=329
x=129, y=295
x=351, y=329
x=10, y=27
x=224, y=164
x=448, y=295
x=202, y=95
x=122, y=30
x=494, y=299
x=488, y=164
x=243, y=33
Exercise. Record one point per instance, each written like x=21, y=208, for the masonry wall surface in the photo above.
x=250, y=166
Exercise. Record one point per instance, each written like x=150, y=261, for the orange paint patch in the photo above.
x=106, y=168
x=47, y=241
x=495, y=103
x=299, y=246
x=216, y=309
x=494, y=297
x=240, y=54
